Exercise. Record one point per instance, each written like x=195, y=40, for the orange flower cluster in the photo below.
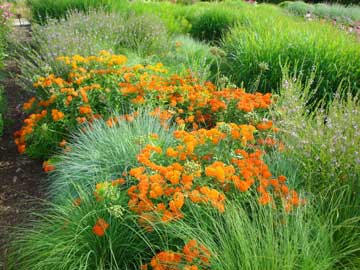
x=198, y=175
x=100, y=227
x=28, y=128
x=189, y=100
x=48, y=167
x=56, y=115
x=194, y=256
x=97, y=83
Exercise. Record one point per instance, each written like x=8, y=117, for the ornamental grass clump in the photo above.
x=101, y=152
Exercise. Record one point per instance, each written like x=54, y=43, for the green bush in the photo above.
x=212, y=25
x=144, y=34
x=255, y=52
x=324, y=145
x=184, y=54
x=42, y=10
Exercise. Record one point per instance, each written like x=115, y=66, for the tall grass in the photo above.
x=256, y=51
x=41, y=10
x=62, y=238
x=324, y=145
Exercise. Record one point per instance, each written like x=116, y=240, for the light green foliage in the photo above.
x=249, y=236
x=101, y=153
x=256, y=51
x=185, y=54
x=343, y=14
x=62, y=238
x=322, y=147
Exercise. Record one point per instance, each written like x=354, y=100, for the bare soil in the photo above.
x=21, y=179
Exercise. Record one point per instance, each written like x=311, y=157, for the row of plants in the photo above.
x=116, y=210
x=250, y=53
x=334, y=2
x=132, y=191
x=344, y=14
x=174, y=177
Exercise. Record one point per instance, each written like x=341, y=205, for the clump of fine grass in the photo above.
x=101, y=153
x=63, y=238
x=323, y=143
x=249, y=236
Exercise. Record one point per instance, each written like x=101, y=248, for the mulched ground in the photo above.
x=21, y=179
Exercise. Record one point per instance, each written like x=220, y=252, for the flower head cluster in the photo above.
x=203, y=167
x=193, y=256
x=96, y=83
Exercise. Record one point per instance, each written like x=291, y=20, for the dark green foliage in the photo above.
x=212, y=24
x=43, y=9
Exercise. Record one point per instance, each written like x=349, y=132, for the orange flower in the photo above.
x=100, y=227
x=56, y=115
x=85, y=110
x=47, y=167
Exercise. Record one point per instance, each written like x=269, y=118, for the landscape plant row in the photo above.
x=215, y=157
x=348, y=15
x=95, y=86
x=249, y=53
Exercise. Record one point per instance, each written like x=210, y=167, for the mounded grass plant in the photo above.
x=62, y=237
x=100, y=153
x=213, y=24
x=249, y=236
x=42, y=10
x=186, y=54
x=322, y=144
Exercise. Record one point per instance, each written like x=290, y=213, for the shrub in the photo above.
x=255, y=52
x=85, y=34
x=175, y=17
x=324, y=141
x=212, y=25
x=324, y=145
x=81, y=34
x=41, y=10
x=187, y=55
x=144, y=34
